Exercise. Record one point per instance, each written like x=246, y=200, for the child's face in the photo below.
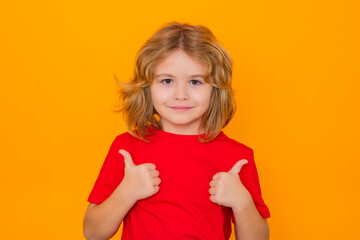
x=180, y=94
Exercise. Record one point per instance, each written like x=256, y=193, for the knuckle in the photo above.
x=219, y=175
x=223, y=174
x=157, y=181
x=151, y=166
x=142, y=167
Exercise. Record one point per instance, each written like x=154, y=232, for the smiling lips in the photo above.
x=181, y=108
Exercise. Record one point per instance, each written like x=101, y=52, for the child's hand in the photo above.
x=141, y=181
x=226, y=188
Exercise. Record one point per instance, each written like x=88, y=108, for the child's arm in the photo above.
x=102, y=221
x=226, y=189
x=250, y=224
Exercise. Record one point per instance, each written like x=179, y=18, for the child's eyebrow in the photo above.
x=169, y=75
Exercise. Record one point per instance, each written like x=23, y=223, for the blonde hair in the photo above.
x=198, y=42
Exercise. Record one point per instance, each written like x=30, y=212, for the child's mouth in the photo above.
x=181, y=108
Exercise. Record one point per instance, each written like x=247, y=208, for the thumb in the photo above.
x=127, y=158
x=237, y=167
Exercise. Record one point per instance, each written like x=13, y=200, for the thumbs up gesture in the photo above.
x=227, y=190
x=141, y=181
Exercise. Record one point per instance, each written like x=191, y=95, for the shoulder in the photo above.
x=124, y=137
x=127, y=140
x=222, y=138
x=231, y=144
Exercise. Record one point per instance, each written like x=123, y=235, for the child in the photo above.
x=175, y=174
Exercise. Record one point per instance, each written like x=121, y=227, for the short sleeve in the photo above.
x=249, y=178
x=110, y=175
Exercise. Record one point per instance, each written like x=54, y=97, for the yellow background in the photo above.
x=296, y=75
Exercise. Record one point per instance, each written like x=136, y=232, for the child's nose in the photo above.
x=181, y=93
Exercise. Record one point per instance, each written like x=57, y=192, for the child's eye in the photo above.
x=195, y=82
x=167, y=81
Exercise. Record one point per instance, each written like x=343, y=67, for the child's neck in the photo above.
x=184, y=130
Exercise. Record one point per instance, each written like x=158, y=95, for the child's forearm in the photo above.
x=102, y=221
x=250, y=225
x=140, y=181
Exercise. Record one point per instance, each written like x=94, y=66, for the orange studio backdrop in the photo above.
x=296, y=77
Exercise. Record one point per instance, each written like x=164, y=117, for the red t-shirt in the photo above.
x=182, y=208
